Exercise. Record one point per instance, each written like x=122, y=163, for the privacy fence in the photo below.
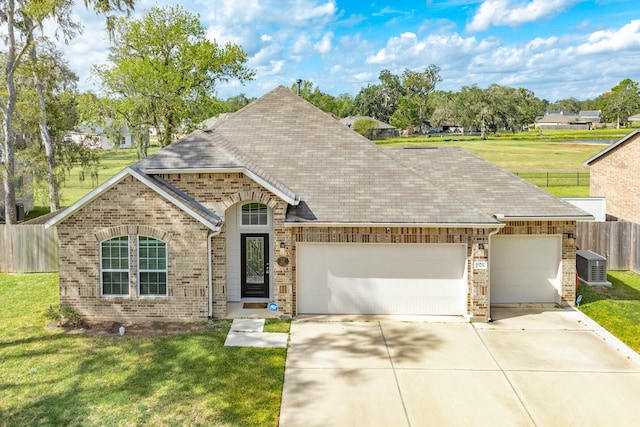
x=28, y=249
x=618, y=242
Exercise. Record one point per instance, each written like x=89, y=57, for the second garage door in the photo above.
x=381, y=279
x=525, y=269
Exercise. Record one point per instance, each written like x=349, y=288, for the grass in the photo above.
x=617, y=308
x=53, y=377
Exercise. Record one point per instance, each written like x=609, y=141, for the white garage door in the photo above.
x=525, y=269
x=381, y=279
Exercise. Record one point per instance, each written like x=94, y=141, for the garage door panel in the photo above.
x=525, y=269
x=381, y=279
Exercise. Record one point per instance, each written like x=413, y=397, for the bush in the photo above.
x=64, y=317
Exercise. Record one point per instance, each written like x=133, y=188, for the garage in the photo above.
x=410, y=279
x=525, y=269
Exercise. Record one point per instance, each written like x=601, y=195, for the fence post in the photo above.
x=547, y=178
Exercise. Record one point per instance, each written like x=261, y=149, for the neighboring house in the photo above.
x=381, y=130
x=634, y=119
x=614, y=175
x=315, y=218
x=593, y=117
x=99, y=137
x=562, y=120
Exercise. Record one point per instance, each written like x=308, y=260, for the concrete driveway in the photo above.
x=528, y=368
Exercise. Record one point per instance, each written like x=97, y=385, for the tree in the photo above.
x=162, y=68
x=365, y=127
x=20, y=20
x=415, y=104
x=623, y=101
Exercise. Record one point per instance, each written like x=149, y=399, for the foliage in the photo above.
x=617, y=308
x=64, y=316
x=365, y=127
x=622, y=102
x=163, y=70
x=402, y=100
x=96, y=379
x=340, y=106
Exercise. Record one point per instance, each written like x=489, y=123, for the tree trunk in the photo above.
x=8, y=158
x=54, y=199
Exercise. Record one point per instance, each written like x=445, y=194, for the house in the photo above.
x=381, y=130
x=559, y=119
x=101, y=137
x=614, y=175
x=316, y=219
x=593, y=117
x=23, y=191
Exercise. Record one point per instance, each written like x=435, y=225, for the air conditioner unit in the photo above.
x=592, y=268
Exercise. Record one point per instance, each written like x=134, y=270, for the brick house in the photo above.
x=282, y=203
x=614, y=175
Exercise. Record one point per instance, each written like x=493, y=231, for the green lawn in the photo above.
x=617, y=308
x=56, y=378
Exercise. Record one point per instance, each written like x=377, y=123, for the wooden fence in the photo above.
x=28, y=249
x=617, y=241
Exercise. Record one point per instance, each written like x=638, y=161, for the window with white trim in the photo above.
x=152, y=267
x=255, y=214
x=114, y=266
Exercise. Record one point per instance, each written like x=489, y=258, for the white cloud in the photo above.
x=265, y=37
x=627, y=37
x=505, y=12
x=324, y=45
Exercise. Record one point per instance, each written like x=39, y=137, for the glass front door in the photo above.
x=255, y=265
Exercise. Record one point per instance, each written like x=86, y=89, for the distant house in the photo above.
x=614, y=175
x=101, y=137
x=382, y=129
x=559, y=119
x=635, y=118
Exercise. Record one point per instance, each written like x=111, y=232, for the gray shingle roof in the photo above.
x=480, y=183
x=341, y=177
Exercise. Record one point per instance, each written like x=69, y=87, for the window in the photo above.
x=152, y=267
x=114, y=266
x=254, y=214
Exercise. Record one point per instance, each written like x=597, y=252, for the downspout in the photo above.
x=491, y=234
x=209, y=268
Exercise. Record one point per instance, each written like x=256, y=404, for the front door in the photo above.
x=255, y=265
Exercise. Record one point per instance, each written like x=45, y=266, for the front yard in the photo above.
x=617, y=308
x=52, y=377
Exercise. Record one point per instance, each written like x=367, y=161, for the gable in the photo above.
x=631, y=138
x=180, y=200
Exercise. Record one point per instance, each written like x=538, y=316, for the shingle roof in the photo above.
x=339, y=176
x=480, y=183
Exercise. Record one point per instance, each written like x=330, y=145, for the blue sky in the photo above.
x=556, y=48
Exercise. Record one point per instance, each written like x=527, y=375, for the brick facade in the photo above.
x=131, y=208
x=615, y=176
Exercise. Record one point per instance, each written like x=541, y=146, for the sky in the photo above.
x=556, y=48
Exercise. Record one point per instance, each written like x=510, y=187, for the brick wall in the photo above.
x=130, y=208
x=615, y=176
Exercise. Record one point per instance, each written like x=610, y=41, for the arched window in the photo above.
x=152, y=267
x=114, y=266
x=255, y=214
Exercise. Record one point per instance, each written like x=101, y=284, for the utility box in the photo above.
x=592, y=268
